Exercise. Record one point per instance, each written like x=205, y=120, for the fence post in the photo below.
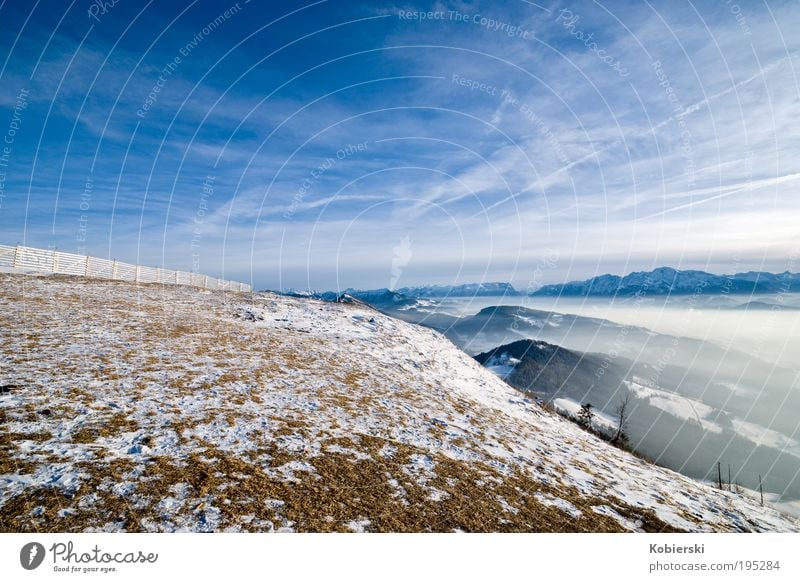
x=176, y=277
x=86, y=267
x=16, y=257
x=114, y=269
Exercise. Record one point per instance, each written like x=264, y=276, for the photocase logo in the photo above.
x=31, y=555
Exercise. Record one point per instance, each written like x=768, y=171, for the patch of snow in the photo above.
x=621, y=519
x=562, y=504
x=766, y=437
x=358, y=525
x=682, y=407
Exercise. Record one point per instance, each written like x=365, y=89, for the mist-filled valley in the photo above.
x=711, y=378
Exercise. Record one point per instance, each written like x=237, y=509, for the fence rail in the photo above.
x=53, y=261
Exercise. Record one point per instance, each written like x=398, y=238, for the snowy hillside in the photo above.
x=156, y=408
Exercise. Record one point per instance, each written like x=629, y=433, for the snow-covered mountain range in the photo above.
x=164, y=408
x=660, y=281
x=666, y=280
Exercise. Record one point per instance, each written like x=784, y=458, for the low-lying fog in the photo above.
x=747, y=323
x=728, y=391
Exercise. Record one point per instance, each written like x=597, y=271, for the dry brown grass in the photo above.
x=113, y=426
x=10, y=463
x=341, y=489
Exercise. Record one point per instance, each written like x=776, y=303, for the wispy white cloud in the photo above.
x=546, y=146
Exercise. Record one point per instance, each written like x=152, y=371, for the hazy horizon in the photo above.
x=404, y=284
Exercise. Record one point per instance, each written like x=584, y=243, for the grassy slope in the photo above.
x=158, y=408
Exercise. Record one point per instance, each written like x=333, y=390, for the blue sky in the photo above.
x=337, y=144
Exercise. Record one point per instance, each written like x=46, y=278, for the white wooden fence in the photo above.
x=52, y=261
